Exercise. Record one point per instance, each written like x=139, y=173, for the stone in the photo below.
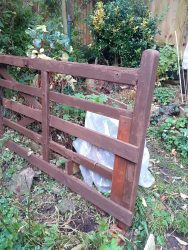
x=66, y=205
x=21, y=182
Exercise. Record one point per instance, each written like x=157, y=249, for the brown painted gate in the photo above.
x=128, y=147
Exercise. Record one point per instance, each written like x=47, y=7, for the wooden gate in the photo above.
x=128, y=147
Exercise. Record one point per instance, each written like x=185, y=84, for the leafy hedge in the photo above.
x=121, y=30
x=15, y=19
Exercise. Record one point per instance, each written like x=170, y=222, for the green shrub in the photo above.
x=15, y=18
x=47, y=39
x=174, y=134
x=121, y=30
x=168, y=64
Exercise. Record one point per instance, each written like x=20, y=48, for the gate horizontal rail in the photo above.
x=99, y=72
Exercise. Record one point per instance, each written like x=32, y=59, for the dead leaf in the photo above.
x=163, y=198
x=174, y=152
x=183, y=196
x=184, y=207
x=144, y=202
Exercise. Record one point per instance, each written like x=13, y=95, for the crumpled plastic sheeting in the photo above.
x=107, y=126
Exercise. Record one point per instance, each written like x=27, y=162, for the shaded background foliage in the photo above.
x=15, y=19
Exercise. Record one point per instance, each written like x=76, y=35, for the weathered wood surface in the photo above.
x=60, y=149
x=99, y=72
x=120, y=169
x=20, y=87
x=115, y=146
x=26, y=94
x=140, y=121
x=175, y=18
x=128, y=148
x=45, y=115
x=123, y=149
x=21, y=129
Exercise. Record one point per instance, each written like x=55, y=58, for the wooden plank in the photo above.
x=45, y=115
x=25, y=121
x=28, y=133
x=29, y=100
x=22, y=88
x=62, y=150
x=69, y=167
x=22, y=109
x=123, y=149
x=75, y=185
x=89, y=106
x=119, y=170
x=100, y=72
x=4, y=73
x=82, y=160
x=146, y=84
x=175, y=19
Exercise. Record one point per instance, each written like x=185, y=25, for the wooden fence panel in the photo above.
x=175, y=19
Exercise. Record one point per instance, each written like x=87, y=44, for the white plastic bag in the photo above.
x=107, y=126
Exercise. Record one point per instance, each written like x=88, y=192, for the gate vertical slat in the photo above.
x=119, y=170
x=45, y=115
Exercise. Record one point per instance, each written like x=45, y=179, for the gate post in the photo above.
x=144, y=95
x=126, y=174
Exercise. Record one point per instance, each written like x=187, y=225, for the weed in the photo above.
x=102, y=239
x=174, y=134
x=164, y=95
x=167, y=64
x=180, y=222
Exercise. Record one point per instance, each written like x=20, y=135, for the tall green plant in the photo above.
x=168, y=63
x=49, y=37
x=121, y=30
x=15, y=18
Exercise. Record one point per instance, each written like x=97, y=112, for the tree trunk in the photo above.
x=64, y=16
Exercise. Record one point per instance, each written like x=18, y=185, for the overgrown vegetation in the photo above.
x=36, y=221
x=164, y=95
x=48, y=39
x=15, y=19
x=174, y=134
x=168, y=63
